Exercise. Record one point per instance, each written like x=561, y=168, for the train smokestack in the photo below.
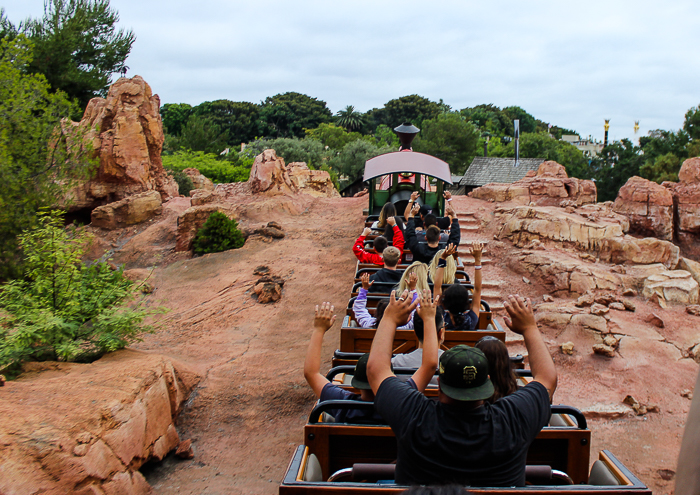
x=406, y=133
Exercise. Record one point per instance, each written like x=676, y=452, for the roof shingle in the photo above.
x=487, y=169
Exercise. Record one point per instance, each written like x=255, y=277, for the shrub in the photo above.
x=64, y=309
x=219, y=233
x=220, y=171
x=184, y=181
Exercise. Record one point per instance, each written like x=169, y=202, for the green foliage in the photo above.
x=488, y=118
x=35, y=163
x=691, y=124
x=616, y=163
x=184, y=182
x=239, y=119
x=220, y=171
x=411, y=108
x=665, y=167
x=288, y=114
x=527, y=121
x=351, y=160
x=306, y=150
x=219, y=233
x=451, y=138
x=349, y=119
x=334, y=137
x=77, y=48
x=175, y=116
x=202, y=134
x=64, y=309
x=386, y=136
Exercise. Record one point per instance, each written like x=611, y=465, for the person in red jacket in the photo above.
x=379, y=244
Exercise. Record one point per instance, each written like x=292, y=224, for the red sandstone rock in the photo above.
x=550, y=187
x=199, y=180
x=97, y=423
x=270, y=176
x=314, y=182
x=184, y=450
x=126, y=134
x=128, y=211
x=648, y=205
x=642, y=251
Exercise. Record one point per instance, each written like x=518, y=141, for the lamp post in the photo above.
x=607, y=127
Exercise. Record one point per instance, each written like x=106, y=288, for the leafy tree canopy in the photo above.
x=220, y=171
x=288, y=114
x=527, y=121
x=451, y=138
x=616, y=163
x=350, y=162
x=349, y=119
x=35, y=164
x=411, y=108
x=240, y=119
x=310, y=151
x=77, y=48
x=175, y=116
x=334, y=137
x=664, y=167
x=202, y=134
x=691, y=125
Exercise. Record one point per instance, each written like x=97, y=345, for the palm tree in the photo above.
x=349, y=118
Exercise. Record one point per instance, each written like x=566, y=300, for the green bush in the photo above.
x=184, y=181
x=220, y=171
x=218, y=233
x=64, y=309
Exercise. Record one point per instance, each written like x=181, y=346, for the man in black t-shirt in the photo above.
x=460, y=438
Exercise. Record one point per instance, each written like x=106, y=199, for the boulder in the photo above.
x=672, y=286
x=269, y=175
x=199, y=181
x=649, y=207
x=88, y=428
x=686, y=201
x=203, y=197
x=192, y=219
x=124, y=132
x=523, y=224
x=128, y=211
x=314, y=182
x=628, y=249
x=550, y=186
x=690, y=266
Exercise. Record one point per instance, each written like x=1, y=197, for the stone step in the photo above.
x=468, y=220
x=468, y=260
x=469, y=228
x=461, y=214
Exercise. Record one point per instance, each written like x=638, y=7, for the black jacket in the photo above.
x=421, y=251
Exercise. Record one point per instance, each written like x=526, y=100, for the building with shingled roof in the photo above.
x=487, y=169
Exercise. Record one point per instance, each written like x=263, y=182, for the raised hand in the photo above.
x=520, y=315
x=415, y=195
x=324, y=317
x=414, y=210
x=366, y=284
x=399, y=310
x=450, y=250
x=427, y=307
x=367, y=231
x=449, y=211
x=412, y=281
x=447, y=195
x=391, y=221
x=476, y=249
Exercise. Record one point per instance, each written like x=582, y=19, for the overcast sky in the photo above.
x=572, y=64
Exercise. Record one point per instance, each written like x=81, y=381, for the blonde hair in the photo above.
x=448, y=274
x=421, y=270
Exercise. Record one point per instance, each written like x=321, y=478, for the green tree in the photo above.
x=77, y=48
x=334, y=137
x=664, y=168
x=411, y=108
x=240, y=119
x=691, y=124
x=350, y=162
x=288, y=114
x=385, y=136
x=613, y=166
x=450, y=138
x=527, y=121
x=219, y=233
x=64, y=309
x=175, y=116
x=202, y=134
x=310, y=151
x=488, y=118
x=220, y=171
x=35, y=163
x=349, y=119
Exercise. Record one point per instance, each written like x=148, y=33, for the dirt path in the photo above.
x=247, y=414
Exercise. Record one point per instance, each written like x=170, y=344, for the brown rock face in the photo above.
x=648, y=205
x=549, y=187
x=128, y=211
x=269, y=175
x=126, y=135
x=686, y=199
x=99, y=423
x=314, y=182
x=199, y=181
x=649, y=250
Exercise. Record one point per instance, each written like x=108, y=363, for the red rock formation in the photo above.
x=192, y=219
x=549, y=187
x=649, y=207
x=129, y=211
x=199, y=180
x=126, y=134
x=686, y=199
x=269, y=175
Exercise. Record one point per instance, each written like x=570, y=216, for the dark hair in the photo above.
x=456, y=300
x=432, y=234
x=429, y=220
x=424, y=210
x=388, y=210
x=379, y=312
x=380, y=243
x=419, y=328
x=500, y=368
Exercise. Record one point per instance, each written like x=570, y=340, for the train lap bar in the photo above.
x=407, y=170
